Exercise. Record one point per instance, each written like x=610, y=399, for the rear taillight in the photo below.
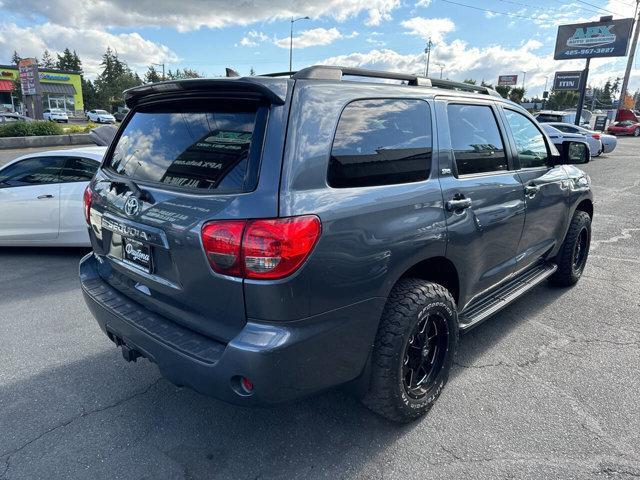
x=261, y=249
x=221, y=242
x=86, y=203
x=596, y=136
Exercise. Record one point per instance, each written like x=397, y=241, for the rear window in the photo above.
x=381, y=142
x=546, y=117
x=201, y=146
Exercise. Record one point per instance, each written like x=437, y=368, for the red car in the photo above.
x=626, y=127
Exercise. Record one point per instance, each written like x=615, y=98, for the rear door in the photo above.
x=30, y=200
x=546, y=189
x=192, y=162
x=483, y=196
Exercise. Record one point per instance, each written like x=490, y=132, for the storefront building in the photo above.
x=60, y=89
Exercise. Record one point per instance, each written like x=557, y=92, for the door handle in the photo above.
x=458, y=204
x=531, y=189
x=40, y=197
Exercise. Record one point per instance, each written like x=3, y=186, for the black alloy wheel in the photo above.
x=424, y=355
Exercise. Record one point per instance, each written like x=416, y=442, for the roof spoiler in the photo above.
x=133, y=96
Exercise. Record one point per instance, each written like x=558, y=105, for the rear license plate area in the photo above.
x=137, y=254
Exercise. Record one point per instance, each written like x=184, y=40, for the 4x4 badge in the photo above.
x=132, y=206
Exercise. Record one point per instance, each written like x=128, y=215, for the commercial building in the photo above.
x=60, y=89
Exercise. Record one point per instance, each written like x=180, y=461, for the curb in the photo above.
x=45, y=141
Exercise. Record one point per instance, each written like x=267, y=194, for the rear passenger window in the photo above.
x=78, y=170
x=475, y=139
x=381, y=142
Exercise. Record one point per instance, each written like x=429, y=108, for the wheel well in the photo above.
x=586, y=206
x=438, y=270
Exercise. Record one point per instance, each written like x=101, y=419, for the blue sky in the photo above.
x=473, y=39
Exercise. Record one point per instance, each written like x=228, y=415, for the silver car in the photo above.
x=605, y=143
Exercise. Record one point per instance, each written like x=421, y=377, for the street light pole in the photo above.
x=524, y=79
x=160, y=65
x=428, y=52
x=293, y=20
x=632, y=54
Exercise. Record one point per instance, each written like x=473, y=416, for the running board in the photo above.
x=481, y=309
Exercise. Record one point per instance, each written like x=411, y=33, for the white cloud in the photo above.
x=311, y=38
x=90, y=44
x=425, y=28
x=423, y=3
x=193, y=14
x=253, y=39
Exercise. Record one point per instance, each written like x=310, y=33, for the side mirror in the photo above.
x=573, y=153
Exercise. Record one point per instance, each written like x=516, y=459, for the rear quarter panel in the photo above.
x=370, y=235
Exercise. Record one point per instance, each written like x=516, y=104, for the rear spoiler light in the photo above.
x=274, y=93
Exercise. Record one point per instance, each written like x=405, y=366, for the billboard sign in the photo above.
x=594, y=39
x=508, y=80
x=29, y=79
x=567, y=80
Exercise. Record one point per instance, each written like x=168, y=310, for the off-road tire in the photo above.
x=569, y=272
x=411, y=302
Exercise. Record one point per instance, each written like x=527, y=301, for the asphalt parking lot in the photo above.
x=548, y=388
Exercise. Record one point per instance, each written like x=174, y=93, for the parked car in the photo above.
x=259, y=272
x=7, y=117
x=555, y=116
x=55, y=115
x=559, y=138
x=598, y=142
x=120, y=114
x=41, y=197
x=100, y=116
x=626, y=127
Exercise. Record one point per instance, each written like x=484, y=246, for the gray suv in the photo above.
x=261, y=239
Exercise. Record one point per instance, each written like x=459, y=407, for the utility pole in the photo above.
x=428, y=52
x=524, y=79
x=441, y=67
x=632, y=54
x=293, y=20
x=583, y=89
x=160, y=65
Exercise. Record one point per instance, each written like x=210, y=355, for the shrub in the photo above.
x=29, y=129
x=79, y=128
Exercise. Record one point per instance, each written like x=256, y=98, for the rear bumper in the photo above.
x=284, y=361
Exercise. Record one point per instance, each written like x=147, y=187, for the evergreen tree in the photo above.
x=116, y=77
x=15, y=58
x=252, y=72
x=69, y=61
x=516, y=94
x=46, y=61
x=562, y=99
x=152, y=75
x=89, y=94
x=503, y=90
x=186, y=73
x=470, y=81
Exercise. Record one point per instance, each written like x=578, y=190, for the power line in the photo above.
x=599, y=8
x=508, y=14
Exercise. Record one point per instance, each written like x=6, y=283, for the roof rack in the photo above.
x=277, y=74
x=326, y=72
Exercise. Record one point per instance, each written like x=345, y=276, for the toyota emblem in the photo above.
x=132, y=206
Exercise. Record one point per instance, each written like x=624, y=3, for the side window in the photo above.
x=530, y=144
x=475, y=138
x=78, y=170
x=381, y=142
x=32, y=171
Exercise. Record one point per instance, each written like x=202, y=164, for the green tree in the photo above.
x=69, y=61
x=185, y=73
x=562, y=99
x=89, y=94
x=470, y=81
x=516, y=94
x=15, y=58
x=503, y=90
x=116, y=77
x=46, y=61
x=152, y=75
x=252, y=72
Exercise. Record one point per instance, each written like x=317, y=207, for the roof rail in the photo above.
x=277, y=74
x=326, y=72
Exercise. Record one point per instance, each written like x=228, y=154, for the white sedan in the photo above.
x=100, y=116
x=41, y=197
x=605, y=143
x=55, y=115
